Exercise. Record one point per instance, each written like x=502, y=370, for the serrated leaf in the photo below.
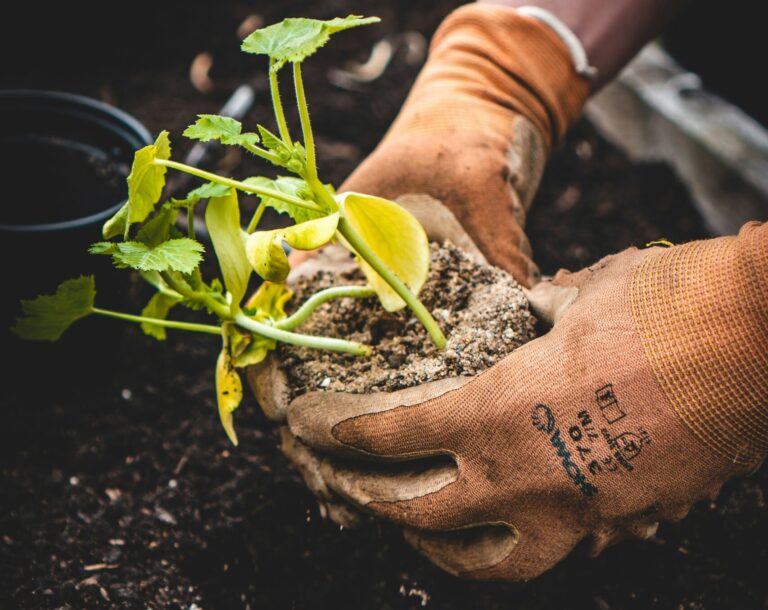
x=291, y=156
x=395, y=236
x=103, y=247
x=208, y=190
x=145, y=185
x=222, y=218
x=293, y=40
x=271, y=141
x=224, y=129
x=158, y=229
x=229, y=392
x=290, y=186
x=265, y=252
x=183, y=255
x=158, y=307
x=46, y=317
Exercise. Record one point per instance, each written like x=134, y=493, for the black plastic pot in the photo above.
x=66, y=158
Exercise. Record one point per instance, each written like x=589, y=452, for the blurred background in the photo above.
x=122, y=492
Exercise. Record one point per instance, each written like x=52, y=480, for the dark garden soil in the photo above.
x=481, y=309
x=125, y=493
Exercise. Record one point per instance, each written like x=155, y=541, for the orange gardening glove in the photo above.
x=497, y=92
x=650, y=391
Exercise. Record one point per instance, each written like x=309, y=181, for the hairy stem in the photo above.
x=317, y=299
x=243, y=186
x=199, y=328
x=277, y=104
x=306, y=125
x=370, y=257
x=327, y=343
x=260, y=152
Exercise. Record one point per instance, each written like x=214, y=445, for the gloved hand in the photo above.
x=497, y=92
x=648, y=394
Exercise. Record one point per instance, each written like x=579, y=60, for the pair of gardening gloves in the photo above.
x=649, y=391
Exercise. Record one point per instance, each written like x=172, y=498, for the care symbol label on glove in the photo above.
x=580, y=450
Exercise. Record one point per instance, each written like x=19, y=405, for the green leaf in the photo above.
x=229, y=392
x=265, y=252
x=396, y=237
x=206, y=191
x=291, y=156
x=222, y=218
x=158, y=229
x=183, y=254
x=145, y=185
x=158, y=307
x=103, y=247
x=210, y=189
x=224, y=129
x=271, y=141
x=46, y=317
x=293, y=40
x=290, y=186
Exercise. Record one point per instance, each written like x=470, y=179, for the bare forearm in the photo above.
x=612, y=31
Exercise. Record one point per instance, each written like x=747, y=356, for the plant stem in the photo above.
x=200, y=328
x=191, y=221
x=243, y=186
x=317, y=299
x=306, y=125
x=256, y=217
x=264, y=154
x=370, y=257
x=277, y=105
x=220, y=309
x=321, y=193
x=327, y=343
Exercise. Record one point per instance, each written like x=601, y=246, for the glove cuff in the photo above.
x=702, y=313
x=529, y=66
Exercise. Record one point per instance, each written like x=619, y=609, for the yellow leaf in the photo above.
x=313, y=233
x=264, y=249
x=269, y=301
x=246, y=348
x=229, y=392
x=396, y=237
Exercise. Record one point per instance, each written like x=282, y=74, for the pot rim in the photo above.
x=94, y=110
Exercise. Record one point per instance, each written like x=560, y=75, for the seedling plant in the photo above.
x=389, y=244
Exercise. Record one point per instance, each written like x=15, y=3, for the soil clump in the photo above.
x=481, y=309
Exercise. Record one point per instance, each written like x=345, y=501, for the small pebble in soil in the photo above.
x=481, y=309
